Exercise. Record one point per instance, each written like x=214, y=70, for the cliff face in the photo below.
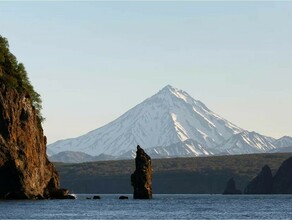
x=142, y=177
x=25, y=171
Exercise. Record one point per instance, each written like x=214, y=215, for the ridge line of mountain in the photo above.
x=164, y=124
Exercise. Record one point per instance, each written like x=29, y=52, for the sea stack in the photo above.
x=262, y=183
x=142, y=177
x=25, y=171
x=231, y=188
x=282, y=183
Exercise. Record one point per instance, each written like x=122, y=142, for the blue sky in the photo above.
x=92, y=61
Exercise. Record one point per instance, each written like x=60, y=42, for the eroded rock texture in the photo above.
x=141, y=179
x=25, y=171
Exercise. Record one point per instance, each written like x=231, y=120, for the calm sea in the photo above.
x=161, y=207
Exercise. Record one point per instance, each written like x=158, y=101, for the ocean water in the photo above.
x=160, y=207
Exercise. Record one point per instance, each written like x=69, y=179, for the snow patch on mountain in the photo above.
x=285, y=141
x=246, y=143
x=187, y=148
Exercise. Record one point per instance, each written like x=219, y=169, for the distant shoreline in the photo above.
x=202, y=175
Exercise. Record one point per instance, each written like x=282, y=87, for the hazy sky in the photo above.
x=92, y=61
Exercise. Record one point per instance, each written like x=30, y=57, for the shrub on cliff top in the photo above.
x=14, y=75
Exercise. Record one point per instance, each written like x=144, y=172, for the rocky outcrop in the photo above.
x=231, y=188
x=282, y=183
x=141, y=179
x=25, y=171
x=262, y=183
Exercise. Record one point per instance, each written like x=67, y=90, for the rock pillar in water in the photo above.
x=282, y=183
x=231, y=188
x=262, y=183
x=141, y=179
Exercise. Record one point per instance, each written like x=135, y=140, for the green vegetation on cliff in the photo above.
x=14, y=75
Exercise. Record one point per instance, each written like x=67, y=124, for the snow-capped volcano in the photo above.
x=168, y=117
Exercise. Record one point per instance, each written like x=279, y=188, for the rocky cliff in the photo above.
x=262, y=183
x=25, y=171
x=141, y=179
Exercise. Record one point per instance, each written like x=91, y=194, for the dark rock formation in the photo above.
x=262, y=183
x=231, y=188
x=16, y=195
x=60, y=194
x=142, y=177
x=123, y=197
x=282, y=183
x=96, y=197
x=25, y=171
